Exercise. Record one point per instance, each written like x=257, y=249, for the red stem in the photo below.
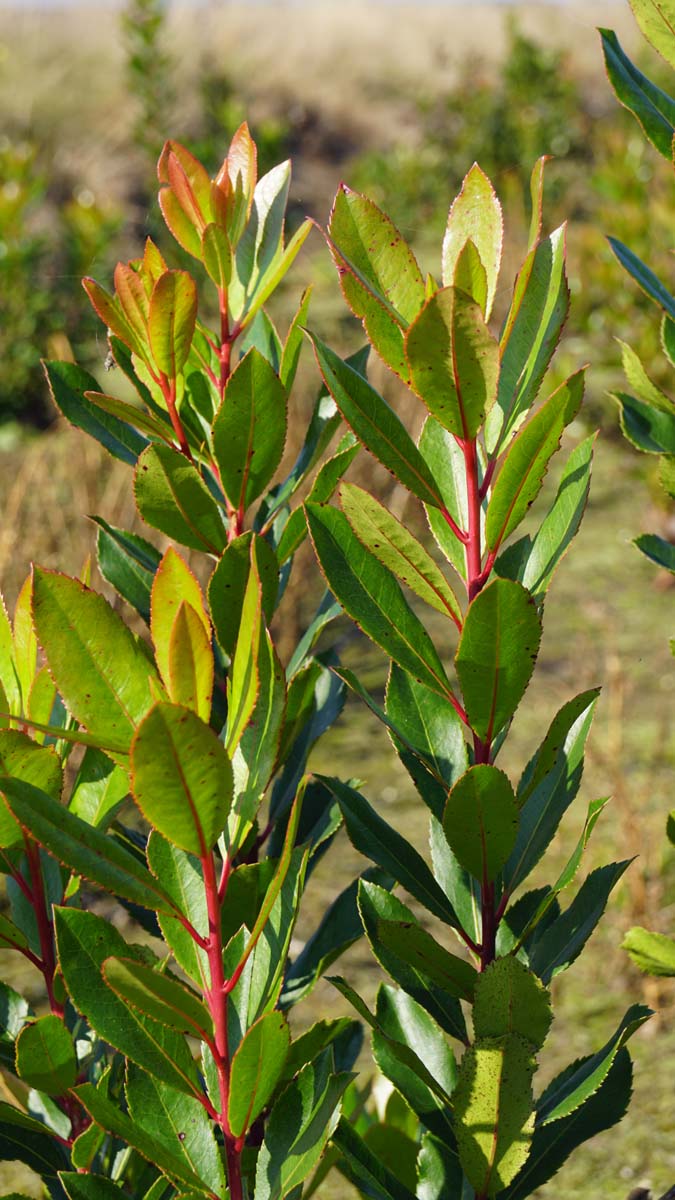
x=44, y=925
x=169, y=390
x=216, y=997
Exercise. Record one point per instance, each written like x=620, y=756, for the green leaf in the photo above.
x=256, y=1070
x=179, y=1124
x=510, y=999
x=670, y=827
x=256, y=754
x=10, y=937
x=158, y=996
x=133, y=415
x=339, y=927
x=375, y=424
x=365, y=1169
x=638, y=380
x=23, y=1139
x=461, y=888
x=9, y=682
x=657, y=549
x=292, y=349
x=243, y=683
x=377, y=905
x=652, y=107
x=496, y=654
x=549, y=784
x=128, y=562
x=371, y=596
x=651, y=952
x=228, y=585
x=566, y=937
x=582, y=1079
x=481, y=821
x=173, y=584
x=183, y=881
x=532, y=561
x=530, y=336
x=99, y=790
x=249, y=432
x=45, y=1056
x=85, y=850
x=649, y=429
x=100, y=669
x=445, y=460
x=217, y=255
x=109, y=1117
x=643, y=276
x=397, y=549
x=300, y=1125
x=68, y=384
x=22, y=758
x=552, y=1144
x=404, y=1020
x=428, y=726
x=172, y=497
x=342, y=1035
x=493, y=1109
x=171, y=321
x=89, y=1187
x=522, y=474
x=475, y=217
x=454, y=362
x=392, y=852
x=416, y=947
x=181, y=778
x=84, y=942
x=379, y=276
x=438, y=1171
x=327, y=479
x=656, y=19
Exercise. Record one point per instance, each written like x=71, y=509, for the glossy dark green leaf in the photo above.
x=371, y=596
x=496, y=654
x=522, y=473
x=183, y=881
x=172, y=497
x=549, y=784
x=299, y=1127
x=342, y=1035
x=327, y=478
x=137, y=417
x=128, y=562
x=157, y=995
x=249, y=432
x=84, y=942
x=481, y=820
x=493, y=1109
x=372, y=836
x=533, y=560
x=181, y=777
x=379, y=276
x=256, y=1069
x=445, y=460
x=643, y=276
x=257, y=750
x=100, y=669
x=377, y=905
x=109, y=1117
x=89, y=1187
x=510, y=999
x=649, y=429
x=530, y=335
x=365, y=1169
x=566, y=937
x=461, y=888
x=416, y=947
x=396, y=548
x=25, y=1140
x=438, y=1171
x=657, y=549
x=375, y=424
x=45, y=1056
x=68, y=384
x=339, y=928
x=179, y=1124
x=243, y=680
x=83, y=849
x=654, y=108
x=454, y=362
x=570, y=1090
x=552, y=1144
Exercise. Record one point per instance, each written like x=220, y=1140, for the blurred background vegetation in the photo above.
x=397, y=100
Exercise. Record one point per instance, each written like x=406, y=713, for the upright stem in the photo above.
x=217, y=1001
x=44, y=925
x=169, y=390
x=476, y=578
